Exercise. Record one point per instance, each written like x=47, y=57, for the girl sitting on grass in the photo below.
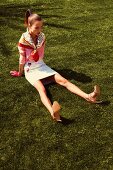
x=31, y=49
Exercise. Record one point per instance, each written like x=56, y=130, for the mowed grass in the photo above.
x=79, y=45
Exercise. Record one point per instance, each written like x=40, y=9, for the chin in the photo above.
x=37, y=34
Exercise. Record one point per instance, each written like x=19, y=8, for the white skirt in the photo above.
x=37, y=70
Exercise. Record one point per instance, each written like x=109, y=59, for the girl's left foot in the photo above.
x=92, y=97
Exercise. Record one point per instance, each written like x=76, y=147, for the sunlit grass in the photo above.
x=79, y=45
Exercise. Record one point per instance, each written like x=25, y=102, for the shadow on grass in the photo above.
x=66, y=121
x=105, y=103
x=13, y=14
x=73, y=75
x=48, y=93
x=12, y=11
x=59, y=26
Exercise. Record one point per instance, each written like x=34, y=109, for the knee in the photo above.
x=41, y=90
x=64, y=82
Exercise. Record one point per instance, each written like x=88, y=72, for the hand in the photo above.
x=35, y=55
x=15, y=73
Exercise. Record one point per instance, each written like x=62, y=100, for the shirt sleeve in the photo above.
x=41, y=50
x=22, y=57
x=22, y=54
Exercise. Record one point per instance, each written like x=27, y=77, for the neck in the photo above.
x=34, y=38
x=33, y=35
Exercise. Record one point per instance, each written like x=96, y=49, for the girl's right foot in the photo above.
x=56, y=108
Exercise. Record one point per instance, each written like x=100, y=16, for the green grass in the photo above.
x=79, y=45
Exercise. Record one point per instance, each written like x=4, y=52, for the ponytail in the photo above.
x=27, y=14
x=31, y=18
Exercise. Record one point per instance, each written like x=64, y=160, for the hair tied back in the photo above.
x=27, y=14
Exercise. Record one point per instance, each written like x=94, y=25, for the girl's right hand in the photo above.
x=15, y=73
x=35, y=55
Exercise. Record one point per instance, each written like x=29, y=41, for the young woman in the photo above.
x=31, y=49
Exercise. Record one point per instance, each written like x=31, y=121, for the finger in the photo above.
x=12, y=72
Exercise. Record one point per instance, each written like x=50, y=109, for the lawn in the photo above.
x=79, y=45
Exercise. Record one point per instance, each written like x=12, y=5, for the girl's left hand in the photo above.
x=15, y=73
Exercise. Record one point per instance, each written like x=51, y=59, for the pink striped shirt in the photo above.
x=26, y=46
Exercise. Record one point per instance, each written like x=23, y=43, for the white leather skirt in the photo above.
x=36, y=71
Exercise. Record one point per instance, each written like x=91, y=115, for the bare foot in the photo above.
x=56, y=108
x=92, y=97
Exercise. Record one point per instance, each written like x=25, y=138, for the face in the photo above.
x=36, y=28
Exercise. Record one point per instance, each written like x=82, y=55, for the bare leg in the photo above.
x=53, y=109
x=74, y=89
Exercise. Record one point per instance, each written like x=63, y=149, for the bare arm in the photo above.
x=21, y=69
